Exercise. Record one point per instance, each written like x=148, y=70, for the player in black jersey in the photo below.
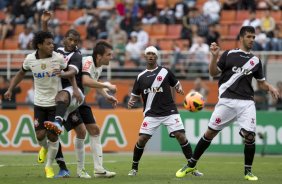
x=154, y=85
x=237, y=68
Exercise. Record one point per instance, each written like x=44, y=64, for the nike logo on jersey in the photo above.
x=151, y=75
x=245, y=56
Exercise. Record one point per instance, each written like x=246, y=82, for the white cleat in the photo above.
x=104, y=174
x=132, y=172
x=83, y=174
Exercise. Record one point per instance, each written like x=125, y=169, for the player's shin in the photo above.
x=52, y=151
x=80, y=153
x=97, y=151
x=186, y=149
x=137, y=154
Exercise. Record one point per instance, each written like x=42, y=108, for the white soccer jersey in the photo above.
x=46, y=84
x=89, y=68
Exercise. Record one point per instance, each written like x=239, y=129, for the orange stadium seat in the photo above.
x=10, y=44
x=62, y=15
x=1, y=44
x=224, y=30
x=74, y=14
x=161, y=4
x=64, y=28
x=147, y=28
x=158, y=31
x=19, y=29
x=166, y=44
x=174, y=31
x=234, y=30
x=276, y=15
x=82, y=30
x=2, y=15
x=227, y=16
x=242, y=15
x=228, y=44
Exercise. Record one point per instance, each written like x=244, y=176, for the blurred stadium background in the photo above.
x=180, y=29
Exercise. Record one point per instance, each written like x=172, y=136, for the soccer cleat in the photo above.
x=196, y=172
x=251, y=177
x=105, y=174
x=185, y=170
x=42, y=155
x=83, y=174
x=49, y=172
x=54, y=126
x=132, y=172
x=63, y=174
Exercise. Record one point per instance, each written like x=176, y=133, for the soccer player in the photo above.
x=45, y=65
x=237, y=68
x=154, y=85
x=92, y=68
x=102, y=54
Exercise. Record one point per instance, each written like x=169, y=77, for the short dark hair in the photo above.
x=245, y=29
x=100, y=48
x=73, y=32
x=39, y=38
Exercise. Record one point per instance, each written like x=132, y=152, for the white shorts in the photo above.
x=229, y=110
x=73, y=101
x=151, y=124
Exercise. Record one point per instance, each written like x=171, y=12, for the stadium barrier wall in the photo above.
x=119, y=132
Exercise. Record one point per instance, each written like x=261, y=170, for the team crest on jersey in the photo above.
x=159, y=78
x=43, y=66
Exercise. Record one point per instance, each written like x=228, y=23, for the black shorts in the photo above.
x=82, y=115
x=42, y=114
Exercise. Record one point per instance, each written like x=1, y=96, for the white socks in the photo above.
x=52, y=152
x=97, y=151
x=80, y=152
x=43, y=143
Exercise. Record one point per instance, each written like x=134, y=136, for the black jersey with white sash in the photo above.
x=237, y=70
x=155, y=88
x=73, y=59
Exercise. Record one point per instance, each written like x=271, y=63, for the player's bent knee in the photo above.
x=80, y=131
x=52, y=136
x=248, y=136
x=62, y=96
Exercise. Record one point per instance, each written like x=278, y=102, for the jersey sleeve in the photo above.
x=76, y=62
x=259, y=73
x=86, y=66
x=26, y=66
x=172, y=79
x=136, y=90
x=222, y=61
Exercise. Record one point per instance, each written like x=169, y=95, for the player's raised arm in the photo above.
x=89, y=82
x=45, y=17
x=214, y=49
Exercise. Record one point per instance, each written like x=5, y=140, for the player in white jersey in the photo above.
x=91, y=70
x=44, y=64
x=154, y=86
x=237, y=68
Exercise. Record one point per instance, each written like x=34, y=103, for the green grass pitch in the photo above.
x=153, y=169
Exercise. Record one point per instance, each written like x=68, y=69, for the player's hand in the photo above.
x=112, y=100
x=77, y=95
x=130, y=104
x=112, y=88
x=214, y=49
x=57, y=72
x=179, y=89
x=8, y=94
x=46, y=16
x=274, y=93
